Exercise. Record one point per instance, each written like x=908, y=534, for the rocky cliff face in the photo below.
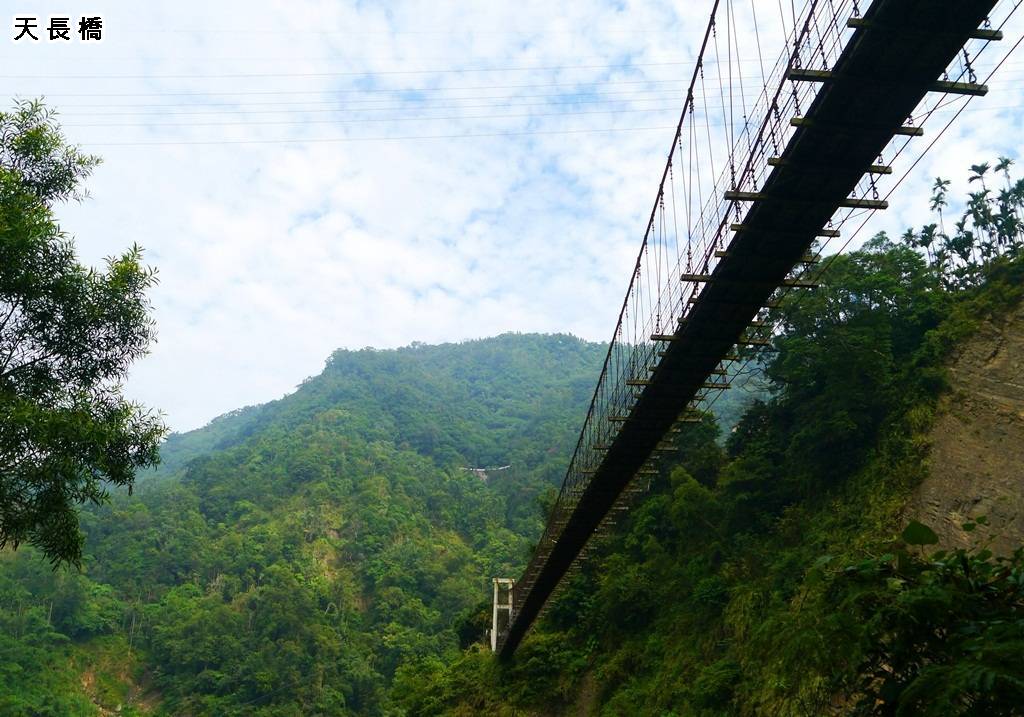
x=977, y=456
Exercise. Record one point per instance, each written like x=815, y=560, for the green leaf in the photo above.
x=919, y=534
x=822, y=561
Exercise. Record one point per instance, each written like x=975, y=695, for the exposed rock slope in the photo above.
x=977, y=456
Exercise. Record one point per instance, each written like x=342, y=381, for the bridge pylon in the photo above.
x=502, y=609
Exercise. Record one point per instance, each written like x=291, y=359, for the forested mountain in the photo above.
x=290, y=556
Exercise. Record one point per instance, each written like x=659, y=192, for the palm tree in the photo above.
x=980, y=212
x=961, y=244
x=1017, y=200
x=939, y=190
x=1003, y=165
x=1006, y=200
x=1007, y=220
x=978, y=173
x=926, y=238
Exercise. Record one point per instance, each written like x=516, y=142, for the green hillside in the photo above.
x=294, y=554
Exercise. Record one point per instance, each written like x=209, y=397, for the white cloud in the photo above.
x=273, y=255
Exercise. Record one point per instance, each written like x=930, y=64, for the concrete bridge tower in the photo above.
x=501, y=616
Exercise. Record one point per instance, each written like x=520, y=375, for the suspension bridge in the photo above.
x=772, y=155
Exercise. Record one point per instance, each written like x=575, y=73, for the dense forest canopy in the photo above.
x=289, y=557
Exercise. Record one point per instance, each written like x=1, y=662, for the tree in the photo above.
x=941, y=635
x=68, y=335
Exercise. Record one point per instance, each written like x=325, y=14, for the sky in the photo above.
x=313, y=175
